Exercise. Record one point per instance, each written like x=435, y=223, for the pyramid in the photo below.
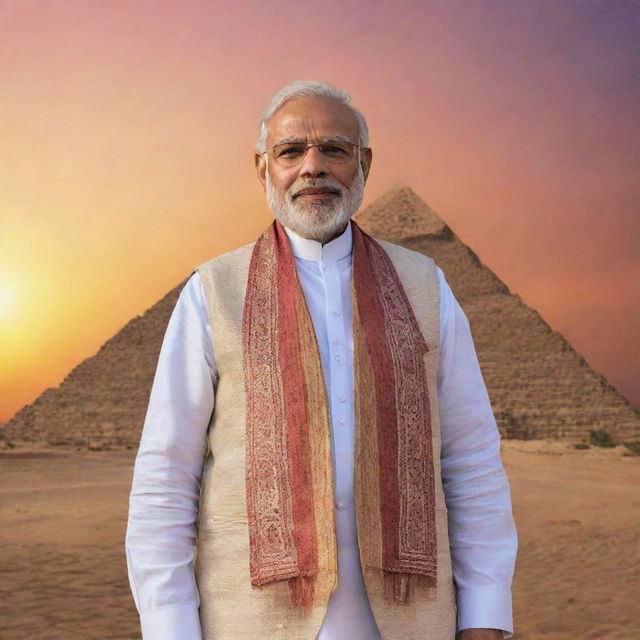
x=539, y=386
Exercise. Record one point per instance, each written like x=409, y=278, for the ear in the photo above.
x=261, y=168
x=365, y=161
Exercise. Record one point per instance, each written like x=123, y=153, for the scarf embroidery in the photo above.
x=289, y=474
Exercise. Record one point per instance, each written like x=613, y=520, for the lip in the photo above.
x=317, y=191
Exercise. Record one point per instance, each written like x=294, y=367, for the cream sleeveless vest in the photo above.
x=230, y=608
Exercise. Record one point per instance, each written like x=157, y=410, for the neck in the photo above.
x=324, y=241
x=337, y=233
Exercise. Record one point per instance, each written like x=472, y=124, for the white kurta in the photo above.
x=160, y=540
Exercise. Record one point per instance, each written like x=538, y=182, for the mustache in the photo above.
x=319, y=183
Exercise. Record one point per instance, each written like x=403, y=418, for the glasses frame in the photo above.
x=308, y=146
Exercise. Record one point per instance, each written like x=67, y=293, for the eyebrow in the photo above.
x=298, y=140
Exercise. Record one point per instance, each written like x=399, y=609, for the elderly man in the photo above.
x=319, y=457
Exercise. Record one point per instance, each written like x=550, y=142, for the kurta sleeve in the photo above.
x=163, y=505
x=482, y=531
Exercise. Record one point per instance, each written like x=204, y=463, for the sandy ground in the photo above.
x=63, y=570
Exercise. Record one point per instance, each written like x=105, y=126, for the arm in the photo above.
x=163, y=506
x=482, y=532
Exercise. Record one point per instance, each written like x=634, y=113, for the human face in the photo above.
x=315, y=198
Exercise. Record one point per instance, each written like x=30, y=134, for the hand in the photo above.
x=480, y=634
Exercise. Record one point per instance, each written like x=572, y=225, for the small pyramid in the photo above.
x=539, y=386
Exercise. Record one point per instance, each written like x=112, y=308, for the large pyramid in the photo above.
x=539, y=386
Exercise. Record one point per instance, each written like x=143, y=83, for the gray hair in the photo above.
x=309, y=89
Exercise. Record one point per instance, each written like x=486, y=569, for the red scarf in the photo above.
x=289, y=476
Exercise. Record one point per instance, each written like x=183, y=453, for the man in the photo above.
x=319, y=456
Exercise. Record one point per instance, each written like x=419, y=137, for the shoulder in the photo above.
x=227, y=266
x=224, y=277
x=402, y=253
x=404, y=258
x=227, y=259
x=418, y=264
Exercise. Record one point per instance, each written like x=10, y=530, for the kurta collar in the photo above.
x=307, y=249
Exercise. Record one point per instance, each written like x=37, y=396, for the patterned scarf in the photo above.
x=289, y=476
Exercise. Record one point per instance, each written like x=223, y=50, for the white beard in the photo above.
x=321, y=221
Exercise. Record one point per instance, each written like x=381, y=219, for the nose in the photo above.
x=314, y=164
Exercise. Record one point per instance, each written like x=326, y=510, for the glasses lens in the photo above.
x=289, y=153
x=336, y=151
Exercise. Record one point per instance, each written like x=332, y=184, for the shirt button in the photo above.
x=342, y=420
x=342, y=397
x=335, y=312
x=340, y=504
x=338, y=358
x=337, y=341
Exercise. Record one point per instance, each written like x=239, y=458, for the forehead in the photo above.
x=312, y=119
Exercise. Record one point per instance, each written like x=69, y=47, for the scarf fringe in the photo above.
x=302, y=590
x=399, y=587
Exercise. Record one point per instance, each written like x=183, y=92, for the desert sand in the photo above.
x=64, y=518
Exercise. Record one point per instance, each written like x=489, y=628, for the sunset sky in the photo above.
x=128, y=128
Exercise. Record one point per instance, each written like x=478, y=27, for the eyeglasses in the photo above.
x=290, y=154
